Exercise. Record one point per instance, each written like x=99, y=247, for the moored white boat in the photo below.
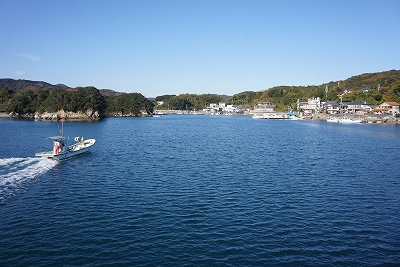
x=346, y=120
x=258, y=116
x=293, y=116
x=333, y=119
x=158, y=114
x=273, y=115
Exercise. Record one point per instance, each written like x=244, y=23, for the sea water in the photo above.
x=195, y=190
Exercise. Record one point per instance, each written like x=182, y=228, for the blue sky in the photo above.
x=188, y=46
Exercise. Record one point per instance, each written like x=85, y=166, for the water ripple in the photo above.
x=211, y=192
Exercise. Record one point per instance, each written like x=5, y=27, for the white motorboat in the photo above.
x=158, y=114
x=346, y=120
x=258, y=116
x=62, y=151
x=270, y=116
x=293, y=116
x=333, y=119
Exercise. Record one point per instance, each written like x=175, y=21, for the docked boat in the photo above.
x=258, y=116
x=333, y=119
x=293, y=116
x=158, y=114
x=270, y=116
x=62, y=151
x=346, y=120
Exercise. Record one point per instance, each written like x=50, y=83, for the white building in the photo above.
x=332, y=107
x=230, y=109
x=359, y=107
x=313, y=105
x=264, y=107
x=389, y=107
x=214, y=106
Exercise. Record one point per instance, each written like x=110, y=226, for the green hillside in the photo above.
x=30, y=96
x=383, y=86
x=20, y=86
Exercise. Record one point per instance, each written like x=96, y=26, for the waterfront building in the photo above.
x=231, y=109
x=360, y=107
x=215, y=108
x=264, y=107
x=313, y=105
x=387, y=108
x=332, y=107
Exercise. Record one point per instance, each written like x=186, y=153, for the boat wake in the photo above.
x=16, y=173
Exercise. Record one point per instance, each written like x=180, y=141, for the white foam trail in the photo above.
x=15, y=172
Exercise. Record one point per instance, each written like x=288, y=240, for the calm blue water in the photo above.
x=187, y=190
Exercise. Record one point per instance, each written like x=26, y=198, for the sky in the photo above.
x=222, y=47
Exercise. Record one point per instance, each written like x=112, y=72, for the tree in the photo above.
x=290, y=98
x=20, y=104
x=129, y=104
x=5, y=95
x=164, y=97
x=55, y=101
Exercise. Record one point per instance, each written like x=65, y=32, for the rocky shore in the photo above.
x=94, y=115
x=368, y=118
x=61, y=114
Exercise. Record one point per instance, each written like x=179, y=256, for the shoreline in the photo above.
x=321, y=117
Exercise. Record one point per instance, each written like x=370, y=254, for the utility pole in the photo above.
x=326, y=93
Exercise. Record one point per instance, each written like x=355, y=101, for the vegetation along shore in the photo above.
x=376, y=95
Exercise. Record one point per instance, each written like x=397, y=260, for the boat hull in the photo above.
x=350, y=121
x=332, y=119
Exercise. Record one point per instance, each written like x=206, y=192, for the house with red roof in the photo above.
x=388, y=108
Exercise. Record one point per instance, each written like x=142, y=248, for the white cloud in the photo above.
x=28, y=56
x=18, y=72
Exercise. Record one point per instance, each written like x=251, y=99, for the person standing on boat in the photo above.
x=61, y=146
x=56, y=147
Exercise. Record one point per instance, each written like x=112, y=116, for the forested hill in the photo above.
x=19, y=86
x=374, y=88
x=25, y=98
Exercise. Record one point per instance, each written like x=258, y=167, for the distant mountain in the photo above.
x=374, y=88
x=24, y=85
x=224, y=96
x=385, y=86
x=109, y=92
x=61, y=85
